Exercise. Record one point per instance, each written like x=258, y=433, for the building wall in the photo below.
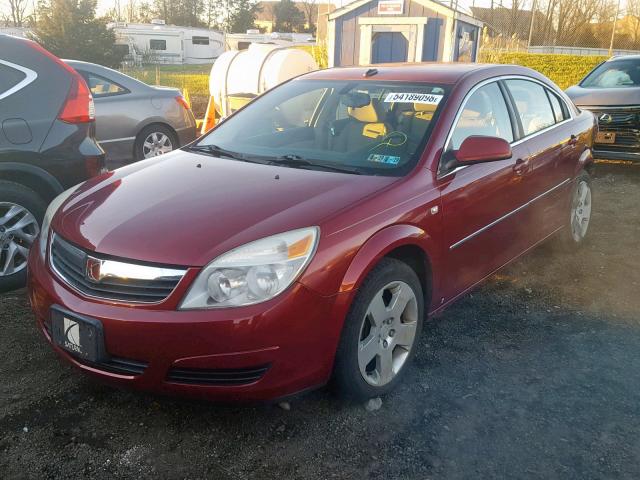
x=347, y=40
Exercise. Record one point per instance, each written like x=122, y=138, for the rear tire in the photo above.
x=578, y=218
x=154, y=140
x=381, y=331
x=21, y=214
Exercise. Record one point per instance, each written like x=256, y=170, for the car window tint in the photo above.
x=614, y=74
x=532, y=105
x=558, y=112
x=485, y=113
x=9, y=77
x=101, y=87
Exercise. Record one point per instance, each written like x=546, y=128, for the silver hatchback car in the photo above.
x=135, y=120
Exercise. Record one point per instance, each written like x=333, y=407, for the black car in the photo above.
x=612, y=92
x=47, y=145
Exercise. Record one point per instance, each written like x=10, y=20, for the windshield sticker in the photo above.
x=388, y=159
x=426, y=98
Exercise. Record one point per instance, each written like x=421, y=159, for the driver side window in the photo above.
x=485, y=113
x=298, y=111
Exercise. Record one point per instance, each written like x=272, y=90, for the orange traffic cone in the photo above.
x=209, y=117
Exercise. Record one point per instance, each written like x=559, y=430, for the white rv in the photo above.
x=159, y=43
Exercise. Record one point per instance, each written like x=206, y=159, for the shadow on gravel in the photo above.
x=534, y=375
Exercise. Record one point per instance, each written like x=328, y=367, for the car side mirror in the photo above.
x=480, y=149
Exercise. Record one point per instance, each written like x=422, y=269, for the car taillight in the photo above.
x=181, y=100
x=79, y=106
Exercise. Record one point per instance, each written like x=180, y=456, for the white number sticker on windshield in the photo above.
x=426, y=98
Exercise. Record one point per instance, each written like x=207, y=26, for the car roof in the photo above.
x=616, y=58
x=438, y=73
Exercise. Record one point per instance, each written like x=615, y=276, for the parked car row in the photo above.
x=57, y=120
x=308, y=236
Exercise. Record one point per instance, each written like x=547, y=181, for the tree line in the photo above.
x=573, y=23
x=71, y=28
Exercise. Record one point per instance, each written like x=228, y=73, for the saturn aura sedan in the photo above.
x=309, y=236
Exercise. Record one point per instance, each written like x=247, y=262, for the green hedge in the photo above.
x=564, y=70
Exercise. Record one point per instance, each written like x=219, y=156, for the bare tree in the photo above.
x=18, y=10
x=310, y=9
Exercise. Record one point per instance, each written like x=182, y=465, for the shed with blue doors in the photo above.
x=366, y=32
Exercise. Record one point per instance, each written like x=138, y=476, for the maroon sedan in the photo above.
x=309, y=235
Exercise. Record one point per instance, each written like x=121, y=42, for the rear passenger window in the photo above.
x=532, y=105
x=9, y=78
x=559, y=113
x=101, y=87
x=485, y=113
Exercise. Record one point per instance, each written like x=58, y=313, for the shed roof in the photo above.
x=436, y=6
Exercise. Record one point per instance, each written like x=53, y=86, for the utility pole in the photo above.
x=613, y=31
x=533, y=16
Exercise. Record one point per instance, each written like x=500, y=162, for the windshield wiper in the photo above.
x=223, y=152
x=296, y=161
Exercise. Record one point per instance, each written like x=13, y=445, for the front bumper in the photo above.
x=601, y=153
x=295, y=335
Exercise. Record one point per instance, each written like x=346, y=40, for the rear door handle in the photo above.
x=521, y=167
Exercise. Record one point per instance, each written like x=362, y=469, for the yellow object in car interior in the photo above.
x=366, y=114
x=424, y=111
x=373, y=128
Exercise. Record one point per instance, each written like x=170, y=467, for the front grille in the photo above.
x=70, y=263
x=624, y=122
x=221, y=377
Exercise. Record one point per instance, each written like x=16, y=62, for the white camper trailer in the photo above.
x=160, y=43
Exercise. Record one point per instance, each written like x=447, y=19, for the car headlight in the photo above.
x=57, y=202
x=253, y=273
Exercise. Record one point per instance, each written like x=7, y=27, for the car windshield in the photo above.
x=616, y=74
x=361, y=127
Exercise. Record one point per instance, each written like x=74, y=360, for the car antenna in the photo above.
x=370, y=73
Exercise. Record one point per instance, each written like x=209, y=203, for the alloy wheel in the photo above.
x=581, y=211
x=387, y=333
x=156, y=143
x=18, y=230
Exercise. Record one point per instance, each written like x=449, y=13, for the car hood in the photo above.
x=606, y=97
x=186, y=209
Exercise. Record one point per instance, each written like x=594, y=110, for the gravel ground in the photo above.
x=534, y=375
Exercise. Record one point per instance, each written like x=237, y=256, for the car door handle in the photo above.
x=521, y=167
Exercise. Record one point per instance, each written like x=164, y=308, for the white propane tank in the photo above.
x=247, y=73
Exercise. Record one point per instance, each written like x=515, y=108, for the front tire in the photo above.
x=21, y=214
x=381, y=331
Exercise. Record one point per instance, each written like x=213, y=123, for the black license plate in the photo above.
x=81, y=336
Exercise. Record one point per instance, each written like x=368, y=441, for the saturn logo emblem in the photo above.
x=92, y=269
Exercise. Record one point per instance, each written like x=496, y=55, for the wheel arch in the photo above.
x=586, y=162
x=407, y=243
x=35, y=178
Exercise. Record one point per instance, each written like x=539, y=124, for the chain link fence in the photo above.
x=577, y=27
